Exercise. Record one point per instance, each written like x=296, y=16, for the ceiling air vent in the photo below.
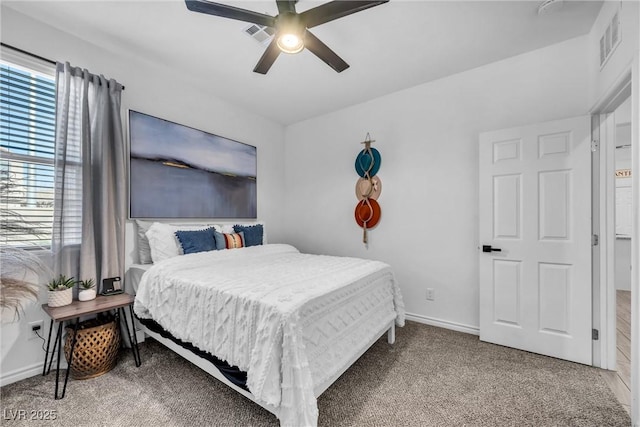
x=610, y=39
x=259, y=33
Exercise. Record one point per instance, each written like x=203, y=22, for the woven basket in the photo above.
x=96, y=348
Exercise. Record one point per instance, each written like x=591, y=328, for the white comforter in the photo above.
x=266, y=308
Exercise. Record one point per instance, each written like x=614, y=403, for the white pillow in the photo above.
x=144, y=252
x=163, y=241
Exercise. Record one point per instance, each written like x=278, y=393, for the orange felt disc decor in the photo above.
x=367, y=210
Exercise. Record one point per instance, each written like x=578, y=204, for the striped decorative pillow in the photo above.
x=234, y=240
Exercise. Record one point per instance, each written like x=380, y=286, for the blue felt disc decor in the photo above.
x=364, y=160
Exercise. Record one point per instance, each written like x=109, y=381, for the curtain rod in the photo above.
x=33, y=55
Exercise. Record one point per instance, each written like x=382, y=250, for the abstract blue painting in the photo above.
x=181, y=172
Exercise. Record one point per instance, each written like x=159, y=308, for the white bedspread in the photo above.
x=253, y=306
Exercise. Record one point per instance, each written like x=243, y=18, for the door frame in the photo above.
x=603, y=210
x=603, y=221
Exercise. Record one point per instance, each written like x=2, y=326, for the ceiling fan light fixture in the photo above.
x=290, y=42
x=289, y=26
x=290, y=32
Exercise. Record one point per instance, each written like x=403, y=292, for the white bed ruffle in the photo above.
x=290, y=320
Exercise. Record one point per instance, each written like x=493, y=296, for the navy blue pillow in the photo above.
x=252, y=233
x=193, y=241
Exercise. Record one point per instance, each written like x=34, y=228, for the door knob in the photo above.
x=488, y=248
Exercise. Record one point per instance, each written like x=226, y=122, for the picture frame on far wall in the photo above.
x=176, y=171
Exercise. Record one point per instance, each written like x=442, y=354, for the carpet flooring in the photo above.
x=430, y=377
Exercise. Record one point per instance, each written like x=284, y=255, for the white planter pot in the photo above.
x=60, y=298
x=87, y=294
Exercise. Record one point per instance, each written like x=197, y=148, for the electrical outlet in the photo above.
x=431, y=294
x=34, y=327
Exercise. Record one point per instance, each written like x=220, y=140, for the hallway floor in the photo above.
x=620, y=380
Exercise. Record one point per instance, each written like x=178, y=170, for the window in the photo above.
x=27, y=141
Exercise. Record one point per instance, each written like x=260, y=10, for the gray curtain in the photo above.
x=90, y=192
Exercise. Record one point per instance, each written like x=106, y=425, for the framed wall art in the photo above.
x=176, y=171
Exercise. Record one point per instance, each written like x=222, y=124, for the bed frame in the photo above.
x=211, y=369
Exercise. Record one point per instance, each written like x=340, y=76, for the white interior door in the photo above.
x=535, y=207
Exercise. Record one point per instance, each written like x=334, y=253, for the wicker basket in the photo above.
x=96, y=348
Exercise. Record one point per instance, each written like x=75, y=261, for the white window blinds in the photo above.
x=27, y=141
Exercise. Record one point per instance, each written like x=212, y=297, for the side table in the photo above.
x=84, y=308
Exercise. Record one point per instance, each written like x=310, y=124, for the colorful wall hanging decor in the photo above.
x=368, y=187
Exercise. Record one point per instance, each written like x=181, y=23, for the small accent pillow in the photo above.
x=234, y=240
x=221, y=242
x=193, y=241
x=252, y=233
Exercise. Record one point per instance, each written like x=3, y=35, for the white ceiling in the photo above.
x=389, y=47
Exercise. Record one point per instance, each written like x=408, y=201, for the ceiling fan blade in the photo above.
x=334, y=10
x=268, y=58
x=286, y=6
x=231, y=12
x=323, y=52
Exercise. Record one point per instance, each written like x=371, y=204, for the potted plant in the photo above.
x=87, y=290
x=61, y=291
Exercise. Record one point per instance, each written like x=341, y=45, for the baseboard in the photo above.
x=7, y=378
x=446, y=324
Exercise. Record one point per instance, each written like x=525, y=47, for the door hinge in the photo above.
x=595, y=145
x=595, y=240
x=595, y=334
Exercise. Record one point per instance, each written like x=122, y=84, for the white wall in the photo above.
x=21, y=356
x=623, y=264
x=602, y=80
x=428, y=138
x=156, y=90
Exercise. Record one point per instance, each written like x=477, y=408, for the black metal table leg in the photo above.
x=135, y=338
x=59, y=344
x=55, y=344
x=136, y=356
x=46, y=354
x=73, y=346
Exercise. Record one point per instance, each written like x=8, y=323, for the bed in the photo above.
x=292, y=322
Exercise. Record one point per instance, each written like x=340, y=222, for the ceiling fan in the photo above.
x=292, y=28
